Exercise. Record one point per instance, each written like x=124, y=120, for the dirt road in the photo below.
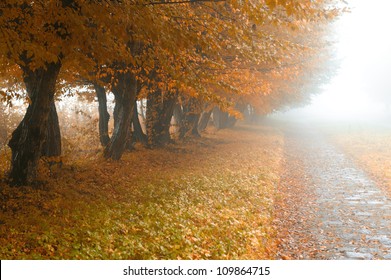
x=329, y=208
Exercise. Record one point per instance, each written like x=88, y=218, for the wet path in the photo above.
x=332, y=209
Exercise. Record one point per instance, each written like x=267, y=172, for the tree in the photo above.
x=209, y=52
x=159, y=113
x=125, y=91
x=104, y=116
x=38, y=36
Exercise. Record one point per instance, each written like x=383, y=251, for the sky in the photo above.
x=364, y=47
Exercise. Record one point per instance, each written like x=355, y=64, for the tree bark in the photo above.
x=249, y=113
x=190, y=118
x=27, y=139
x=104, y=116
x=160, y=109
x=138, y=134
x=204, y=120
x=194, y=122
x=219, y=118
x=231, y=121
x=51, y=147
x=125, y=92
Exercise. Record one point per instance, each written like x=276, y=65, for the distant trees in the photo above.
x=185, y=57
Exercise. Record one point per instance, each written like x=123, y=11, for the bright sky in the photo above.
x=364, y=44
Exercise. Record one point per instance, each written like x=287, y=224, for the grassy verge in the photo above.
x=211, y=198
x=370, y=148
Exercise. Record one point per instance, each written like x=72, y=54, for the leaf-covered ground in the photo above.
x=210, y=198
x=370, y=147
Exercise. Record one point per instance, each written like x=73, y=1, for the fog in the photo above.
x=361, y=89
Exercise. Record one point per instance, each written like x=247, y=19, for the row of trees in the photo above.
x=184, y=57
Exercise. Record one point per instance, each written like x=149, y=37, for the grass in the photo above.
x=369, y=146
x=211, y=198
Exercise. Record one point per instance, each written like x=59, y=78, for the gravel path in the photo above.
x=329, y=208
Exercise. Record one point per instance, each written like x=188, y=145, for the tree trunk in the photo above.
x=51, y=146
x=104, y=116
x=160, y=109
x=190, y=118
x=27, y=139
x=219, y=118
x=204, y=120
x=125, y=92
x=138, y=134
x=231, y=121
x=249, y=113
x=178, y=114
x=194, y=122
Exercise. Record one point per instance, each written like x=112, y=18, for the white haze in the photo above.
x=362, y=86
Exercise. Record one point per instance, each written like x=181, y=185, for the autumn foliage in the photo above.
x=180, y=202
x=195, y=55
x=148, y=77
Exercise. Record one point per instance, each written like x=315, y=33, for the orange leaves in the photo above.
x=213, y=51
x=234, y=113
x=188, y=202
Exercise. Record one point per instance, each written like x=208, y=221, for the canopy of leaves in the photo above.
x=218, y=51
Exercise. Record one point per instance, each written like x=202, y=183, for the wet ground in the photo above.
x=329, y=208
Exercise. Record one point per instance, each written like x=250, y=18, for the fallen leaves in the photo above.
x=214, y=200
